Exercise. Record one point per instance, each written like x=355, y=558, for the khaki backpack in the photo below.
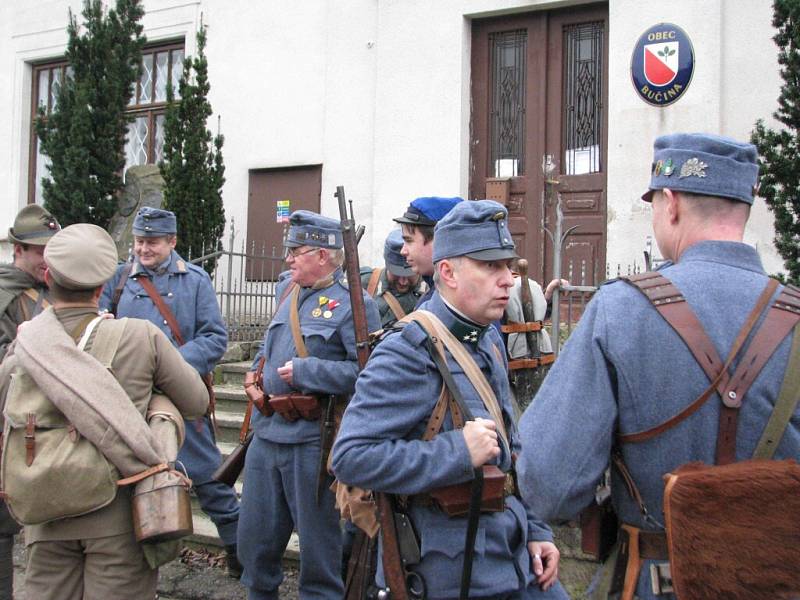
x=49, y=471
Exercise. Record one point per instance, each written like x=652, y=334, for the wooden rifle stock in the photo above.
x=228, y=472
x=527, y=307
x=392, y=565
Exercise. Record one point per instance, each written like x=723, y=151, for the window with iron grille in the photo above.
x=583, y=98
x=507, y=111
x=147, y=107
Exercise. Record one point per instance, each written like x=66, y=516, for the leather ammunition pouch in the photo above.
x=264, y=407
x=453, y=500
x=296, y=406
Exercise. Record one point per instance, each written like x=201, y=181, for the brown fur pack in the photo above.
x=734, y=530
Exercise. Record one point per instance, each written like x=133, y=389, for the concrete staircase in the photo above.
x=231, y=406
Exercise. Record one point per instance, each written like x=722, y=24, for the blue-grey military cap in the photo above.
x=396, y=262
x=154, y=222
x=706, y=164
x=427, y=211
x=477, y=229
x=308, y=228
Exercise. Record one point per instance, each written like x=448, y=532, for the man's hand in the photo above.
x=285, y=372
x=544, y=559
x=481, y=438
x=556, y=283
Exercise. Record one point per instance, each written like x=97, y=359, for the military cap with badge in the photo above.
x=477, y=229
x=704, y=164
x=307, y=228
x=34, y=226
x=154, y=222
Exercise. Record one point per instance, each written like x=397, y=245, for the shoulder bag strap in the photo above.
x=784, y=406
x=703, y=356
x=374, y=279
x=441, y=335
x=169, y=316
x=781, y=318
x=398, y=311
x=294, y=318
x=123, y=278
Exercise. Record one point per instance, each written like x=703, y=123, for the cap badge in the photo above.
x=658, y=167
x=669, y=168
x=498, y=216
x=694, y=167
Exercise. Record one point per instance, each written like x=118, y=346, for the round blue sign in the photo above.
x=662, y=64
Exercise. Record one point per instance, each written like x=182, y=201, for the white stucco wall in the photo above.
x=378, y=92
x=736, y=81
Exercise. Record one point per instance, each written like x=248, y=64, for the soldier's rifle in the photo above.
x=392, y=562
x=527, y=371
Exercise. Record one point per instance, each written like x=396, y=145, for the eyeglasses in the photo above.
x=294, y=253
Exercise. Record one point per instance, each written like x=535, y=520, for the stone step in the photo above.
x=205, y=535
x=228, y=424
x=230, y=397
x=232, y=373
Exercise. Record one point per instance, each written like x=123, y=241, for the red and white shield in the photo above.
x=661, y=62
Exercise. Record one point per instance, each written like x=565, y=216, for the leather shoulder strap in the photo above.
x=701, y=351
x=374, y=279
x=123, y=278
x=294, y=321
x=393, y=303
x=169, y=316
x=784, y=406
x=443, y=338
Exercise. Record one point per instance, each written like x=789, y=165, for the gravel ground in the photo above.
x=197, y=575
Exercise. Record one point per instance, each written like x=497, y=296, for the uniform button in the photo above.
x=732, y=395
x=505, y=240
x=169, y=295
x=165, y=322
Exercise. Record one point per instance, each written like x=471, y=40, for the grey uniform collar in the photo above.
x=735, y=254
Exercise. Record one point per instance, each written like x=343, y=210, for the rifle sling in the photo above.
x=394, y=305
x=374, y=279
x=784, y=406
x=294, y=321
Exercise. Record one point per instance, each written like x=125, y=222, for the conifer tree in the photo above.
x=84, y=136
x=192, y=164
x=779, y=151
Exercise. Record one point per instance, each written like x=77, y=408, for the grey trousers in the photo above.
x=92, y=569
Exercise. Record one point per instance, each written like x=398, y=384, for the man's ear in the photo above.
x=674, y=207
x=48, y=279
x=446, y=272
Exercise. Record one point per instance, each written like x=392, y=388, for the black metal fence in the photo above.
x=245, y=281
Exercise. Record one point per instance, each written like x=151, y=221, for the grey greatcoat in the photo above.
x=624, y=368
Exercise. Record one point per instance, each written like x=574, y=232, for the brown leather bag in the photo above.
x=453, y=500
x=296, y=406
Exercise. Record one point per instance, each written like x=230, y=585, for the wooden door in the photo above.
x=539, y=89
x=294, y=188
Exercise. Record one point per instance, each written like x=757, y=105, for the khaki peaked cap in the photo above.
x=81, y=256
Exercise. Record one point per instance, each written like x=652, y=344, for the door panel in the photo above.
x=300, y=186
x=538, y=89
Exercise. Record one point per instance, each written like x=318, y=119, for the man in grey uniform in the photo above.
x=396, y=288
x=626, y=370
x=384, y=444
